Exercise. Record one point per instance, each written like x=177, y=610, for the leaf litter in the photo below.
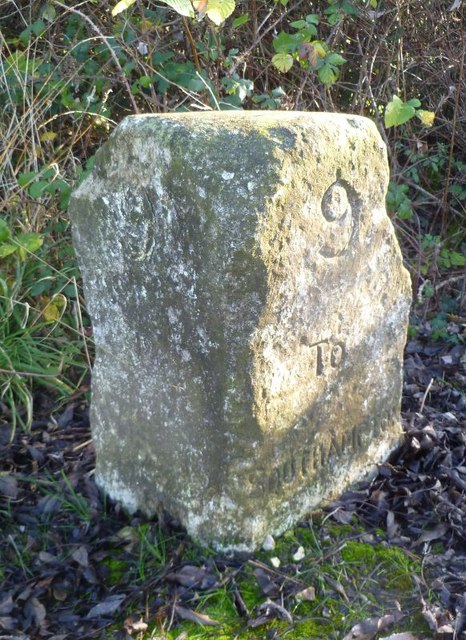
x=73, y=564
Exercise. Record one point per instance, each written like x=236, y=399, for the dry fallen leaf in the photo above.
x=192, y=576
x=35, y=611
x=134, y=624
x=8, y=487
x=308, y=594
x=80, y=556
x=107, y=607
x=192, y=616
x=6, y=604
x=369, y=628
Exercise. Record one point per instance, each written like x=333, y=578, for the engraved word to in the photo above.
x=328, y=355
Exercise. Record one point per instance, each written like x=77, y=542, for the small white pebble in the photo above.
x=275, y=562
x=269, y=543
x=299, y=555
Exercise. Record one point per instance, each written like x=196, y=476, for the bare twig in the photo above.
x=444, y=206
x=424, y=397
x=192, y=44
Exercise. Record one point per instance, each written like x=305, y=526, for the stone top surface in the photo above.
x=249, y=120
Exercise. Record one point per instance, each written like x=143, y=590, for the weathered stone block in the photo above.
x=249, y=307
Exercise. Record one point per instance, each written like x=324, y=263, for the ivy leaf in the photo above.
x=36, y=190
x=282, y=61
x=398, y=112
x=25, y=178
x=219, y=10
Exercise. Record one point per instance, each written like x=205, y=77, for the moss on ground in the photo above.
x=353, y=579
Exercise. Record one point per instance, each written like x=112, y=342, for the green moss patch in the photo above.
x=343, y=578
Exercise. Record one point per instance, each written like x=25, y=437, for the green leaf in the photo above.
x=414, y=102
x=160, y=57
x=49, y=13
x=36, y=190
x=47, y=174
x=62, y=187
x=240, y=20
x=30, y=241
x=457, y=259
x=219, y=10
x=458, y=190
x=336, y=59
x=298, y=24
x=282, y=61
x=38, y=27
x=333, y=18
x=40, y=287
x=278, y=92
x=327, y=74
x=146, y=81
x=25, y=178
x=25, y=36
x=398, y=112
x=122, y=6
x=405, y=211
x=183, y=7
x=4, y=230
x=348, y=8
x=7, y=249
x=285, y=42
x=306, y=34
